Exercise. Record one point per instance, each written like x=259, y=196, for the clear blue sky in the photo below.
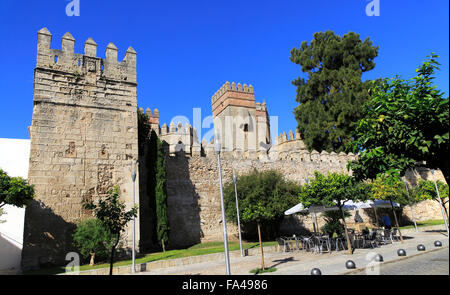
x=188, y=49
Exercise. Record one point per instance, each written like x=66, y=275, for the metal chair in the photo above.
x=394, y=235
x=386, y=237
x=307, y=243
x=369, y=240
x=339, y=241
x=282, y=242
x=321, y=244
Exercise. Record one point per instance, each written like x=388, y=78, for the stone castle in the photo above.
x=84, y=141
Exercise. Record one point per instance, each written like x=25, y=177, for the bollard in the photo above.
x=437, y=243
x=420, y=247
x=401, y=252
x=316, y=272
x=378, y=258
x=350, y=264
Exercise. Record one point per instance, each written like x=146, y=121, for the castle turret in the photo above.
x=242, y=124
x=83, y=141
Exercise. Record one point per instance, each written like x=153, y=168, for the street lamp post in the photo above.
x=133, y=254
x=237, y=212
x=440, y=202
x=217, y=147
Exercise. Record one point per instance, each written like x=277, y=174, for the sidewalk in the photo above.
x=301, y=263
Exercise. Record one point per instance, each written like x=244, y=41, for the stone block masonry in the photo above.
x=83, y=141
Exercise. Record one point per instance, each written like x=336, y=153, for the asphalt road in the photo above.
x=432, y=263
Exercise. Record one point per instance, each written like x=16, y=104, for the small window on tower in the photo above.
x=246, y=128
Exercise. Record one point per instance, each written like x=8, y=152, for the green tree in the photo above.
x=162, y=227
x=426, y=190
x=92, y=239
x=330, y=100
x=111, y=212
x=333, y=222
x=263, y=197
x=151, y=151
x=335, y=189
x=405, y=122
x=14, y=191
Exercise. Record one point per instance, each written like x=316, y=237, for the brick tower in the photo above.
x=242, y=123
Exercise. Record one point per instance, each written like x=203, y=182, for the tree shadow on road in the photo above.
x=281, y=261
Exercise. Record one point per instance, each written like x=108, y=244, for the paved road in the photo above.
x=301, y=263
x=432, y=263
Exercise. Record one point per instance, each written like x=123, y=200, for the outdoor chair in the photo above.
x=283, y=243
x=370, y=240
x=321, y=244
x=307, y=243
x=339, y=243
x=386, y=237
x=394, y=235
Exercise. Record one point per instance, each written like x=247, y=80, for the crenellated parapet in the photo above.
x=231, y=87
x=66, y=60
x=292, y=148
x=180, y=138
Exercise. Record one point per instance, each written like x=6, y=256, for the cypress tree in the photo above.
x=162, y=227
x=331, y=99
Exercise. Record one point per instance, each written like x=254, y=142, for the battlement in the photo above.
x=261, y=106
x=231, y=87
x=153, y=118
x=67, y=60
x=180, y=138
x=234, y=95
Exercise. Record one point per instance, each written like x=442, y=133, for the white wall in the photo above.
x=14, y=160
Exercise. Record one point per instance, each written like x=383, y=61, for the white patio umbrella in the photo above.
x=301, y=208
x=297, y=208
x=311, y=209
x=374, y=204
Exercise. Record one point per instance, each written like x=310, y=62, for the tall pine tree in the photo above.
x=331, y=99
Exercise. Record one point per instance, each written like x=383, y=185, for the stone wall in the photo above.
x=194, y=196
x=83, y=141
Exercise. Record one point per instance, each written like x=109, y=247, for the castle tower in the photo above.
x=242, y=124
x=83, y=142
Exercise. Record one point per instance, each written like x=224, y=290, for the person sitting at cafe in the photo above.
x=365, y=231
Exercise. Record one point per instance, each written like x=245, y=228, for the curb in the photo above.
x=166, y=263
x=394, y=260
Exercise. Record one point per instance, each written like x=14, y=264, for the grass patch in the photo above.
x=424, y=223
x=195, y=250
x=259, y=270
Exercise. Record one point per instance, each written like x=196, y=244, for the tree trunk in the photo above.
x=113, y=249
x=162, y=243
x=444, y=167
x=349, y=245
x=111, y=261
x=261, y=247
x=396, y=221
x=91, y=262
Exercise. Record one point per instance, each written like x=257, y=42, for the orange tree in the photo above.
x=404, y=122
x=263, y=198
x=335, y=189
